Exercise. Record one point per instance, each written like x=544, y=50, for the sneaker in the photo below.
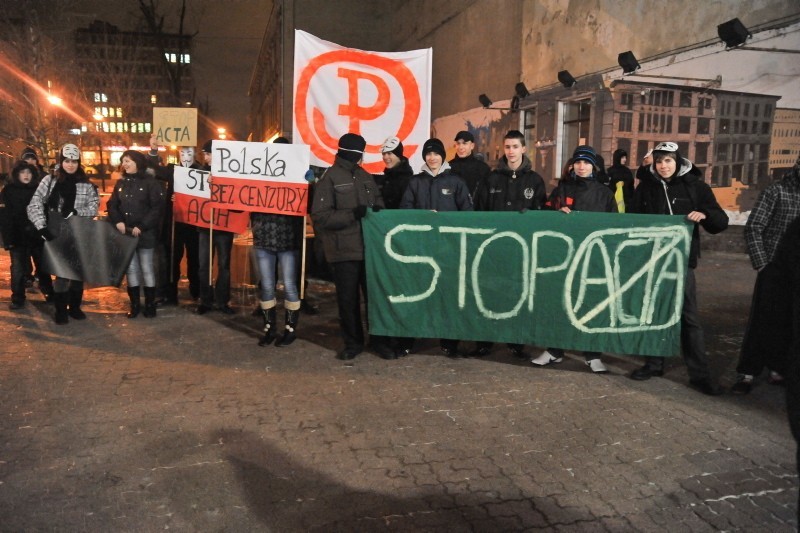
x=597, y=366
x=545, y=359
x=775, y=378
x=743, y=385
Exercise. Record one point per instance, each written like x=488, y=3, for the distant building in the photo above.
x=785, y=141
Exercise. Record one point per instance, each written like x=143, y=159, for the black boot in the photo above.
x=149, y=302
x=289, y=335
x=136, y=306
x=270, y=319
x=75, y=300
x=60, y=303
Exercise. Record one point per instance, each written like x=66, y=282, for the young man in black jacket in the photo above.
x=471, y=169
x=674, y=187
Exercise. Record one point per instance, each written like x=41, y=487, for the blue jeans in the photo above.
x=266, y=260
x=142, y=268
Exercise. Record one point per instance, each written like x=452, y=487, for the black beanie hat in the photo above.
x=28, y=153
x=281, y=140
x=351, y=147
x=465, y=136
x=585, y=153
x=434, y=145
x=207, y=146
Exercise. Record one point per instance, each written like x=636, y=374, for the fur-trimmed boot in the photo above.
x=292, y=316
x=75, y=300
x=269, y=312
x=136, y=306
x=150, y=302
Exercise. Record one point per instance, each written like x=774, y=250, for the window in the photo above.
x=747, y=109
x=627, y=100
x=767, y=110
x=625, y=144
x=701, y=153
x=576, y=121
x=684, y=124
x=686, y=99
x=626, y=122
x=703, y=126
x=722, y=151
x=153, y=99
x=641, y=150
x=724, y=125
x=529, y=126
x=100, y=97
x=683, y=148
x=765, y=128
x=738, y=109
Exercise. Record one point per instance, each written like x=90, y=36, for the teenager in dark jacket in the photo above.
x=621, y=177
x=19, y=234
x=396, y=175
x=136, y=207
x=471, y=169
x=66, y=192
x=675, y=188
x=579, y=192
x=512, y=186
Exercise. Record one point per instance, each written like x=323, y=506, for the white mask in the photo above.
x=187, y=156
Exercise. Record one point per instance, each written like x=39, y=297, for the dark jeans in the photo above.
x=20, y=269
x=223, y=244
x=350, y=280
x=186, y=243
x=693, y=343
x=768, y=335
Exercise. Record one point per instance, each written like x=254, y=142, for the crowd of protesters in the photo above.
x=141, y=206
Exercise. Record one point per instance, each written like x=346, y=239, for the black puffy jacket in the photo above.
x=511, y=190
x=138, y=201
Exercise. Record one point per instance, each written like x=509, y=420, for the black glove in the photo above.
x=359, y=211
x=46, y=234
x=376, y=208
x=523, y=210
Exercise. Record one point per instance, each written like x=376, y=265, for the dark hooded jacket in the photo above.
x=684, y=193
x=619, y=173
x=471, y=169
x=393, y=183
x=138, y=202
x=511, y=190
x=16, y=229
x=582, y=194
x=445, y=191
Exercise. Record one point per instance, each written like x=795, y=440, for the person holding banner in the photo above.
x=580, y=191
x=66, y=192
x=676, y=187
x=135, y=208
x=437, y=188
x=222, y=243
x=342, y=198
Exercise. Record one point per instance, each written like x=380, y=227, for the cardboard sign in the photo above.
x=260, y=177
x=175, y=125
x=192, y=204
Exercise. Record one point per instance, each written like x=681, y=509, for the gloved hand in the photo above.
x=46, y=234
x=523, y=210
x=359, y=211
x=309, y=175
x=376, y=208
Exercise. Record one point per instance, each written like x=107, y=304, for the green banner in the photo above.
x=580, y=281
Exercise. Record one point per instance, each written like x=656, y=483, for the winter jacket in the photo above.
x=619, y=173
x=342, y=188
x=276, y=233
x=138, y=202
x=511, y=190
x=777, y=207
x=393, y=183
x=15, y=227
x=443, y=192
x=684, y=193
x=582, y=194
x=471, y=169
x=49, y=195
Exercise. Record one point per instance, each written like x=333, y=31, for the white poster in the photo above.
x=374, y=94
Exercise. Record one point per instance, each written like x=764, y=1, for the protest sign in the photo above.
x=192, y=204
x=582, y=281
x=88, y=250
x=261, y=177
x=175, y=125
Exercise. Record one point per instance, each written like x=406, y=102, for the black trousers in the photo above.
x=20, y=269
x=351, y=280
x=768, y=336
x=223, y=245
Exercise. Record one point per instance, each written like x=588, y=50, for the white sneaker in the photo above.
x=597, y=366
x=545, y=359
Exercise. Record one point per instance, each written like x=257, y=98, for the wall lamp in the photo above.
x=628, y=62
x=484, y=100
x=734, y=34
x=521, y=91
x=487, y=103
x=566, y=79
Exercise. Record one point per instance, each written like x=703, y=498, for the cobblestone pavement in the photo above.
x=184, y=423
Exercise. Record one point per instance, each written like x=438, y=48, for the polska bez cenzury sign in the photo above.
x=583, y=281
x=377, y=95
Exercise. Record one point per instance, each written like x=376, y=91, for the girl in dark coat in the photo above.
x=136, y=207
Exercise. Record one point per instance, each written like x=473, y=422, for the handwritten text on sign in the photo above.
x=583, y=281
x=267, y=178
x=192, y=203
x=175, y=125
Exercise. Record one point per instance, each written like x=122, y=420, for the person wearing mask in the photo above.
x=342, y=197
x=676, y=187
x=621, y=180
x=580, y=192
x=135, y=208
x=471, y=169
x=19, y=234
x=768, y=335
x=437, y=188
x=396, y=175
x=512, y=186
x=222, y=243
x=65, y=193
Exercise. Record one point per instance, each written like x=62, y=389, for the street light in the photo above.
x=55, y=100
